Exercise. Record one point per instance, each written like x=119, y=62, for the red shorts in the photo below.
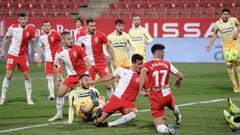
x=49, y=68
x=158, y=103
x=101, y=70
x=20, y=61
x=115, y=104
x=71, y=81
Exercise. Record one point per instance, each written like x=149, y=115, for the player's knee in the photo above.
x=9, y=77
x=229, y=66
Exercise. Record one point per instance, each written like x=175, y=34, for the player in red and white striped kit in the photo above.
x=76, y=63
x=157, y=72
x=20, y=35
x=93, y=42
x=79, y=28
x=123, y=99
x=49, y=42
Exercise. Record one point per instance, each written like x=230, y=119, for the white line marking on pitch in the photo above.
x=144, y=110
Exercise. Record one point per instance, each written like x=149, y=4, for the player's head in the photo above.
x=78, y=22
x=137, y=62
x=84, y=81
x=225, y=14
x=158, y=51
x=119, y=24
x=91, y=25
x=46, y=26
x=66, y=38
x=22, y=19
x=136, y=20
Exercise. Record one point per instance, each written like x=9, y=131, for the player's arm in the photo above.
x=109, y=77
x=213, y=38
x=88, y=63
x=179, y=76
x=143, y=76
x=112, y=54
x=132, y=47
x=55, y=70
x=70, y=109
x=40, y=52
x=235, y=35
x=4, y=44
x=147, y=36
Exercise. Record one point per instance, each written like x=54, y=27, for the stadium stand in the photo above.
x=119, y=8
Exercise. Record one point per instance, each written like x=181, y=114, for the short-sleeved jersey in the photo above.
x=73, y=59
x=81, y=95
x=128, y=86
x=158, y=75
x=77, y=32
x=227, y=29
x=20, y=38
x=51, y=43
x=140, y=36
x=93, y=45
x=121, y=45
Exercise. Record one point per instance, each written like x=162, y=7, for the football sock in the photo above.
x=124, y=119
x=5, y=85
x=110, y=92
x=162, y=128
x=59, y=105
x=176, y=112
x=238, y=73
x=231, y=75
x=50, y=85
x=28, y=88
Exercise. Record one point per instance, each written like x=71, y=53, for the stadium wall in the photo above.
x=185, y=39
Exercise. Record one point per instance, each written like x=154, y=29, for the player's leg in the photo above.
x=103, y=72
x=59, y=74
x=10, y=65
x=171, y=105
x=50, y=81
x=232, y=107
x=230, y=120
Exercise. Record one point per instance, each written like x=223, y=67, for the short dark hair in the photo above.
x=156, y=47
x=135, y=15
x=45, y=21
x=79, y=19
x=90, y=20
x=136, y=57
x=22, y=15
x=83, y=75
x=226, y=10
x=65, y=33
x=120, y=21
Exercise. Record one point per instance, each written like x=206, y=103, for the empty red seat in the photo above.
x=62, y=7
x=39, y=7
x=123, y=7
x=113, y=6
x=73, y=7
x=51, y=8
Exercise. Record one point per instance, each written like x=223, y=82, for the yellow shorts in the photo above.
x=233, y=45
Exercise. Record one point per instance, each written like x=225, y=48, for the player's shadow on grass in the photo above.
x=224, y=88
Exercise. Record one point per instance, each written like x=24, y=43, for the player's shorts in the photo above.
x=20, y=61
x=101, y=70
x=233, y=45
x=158, y=103
x=71, y=81
x=90, y=110
x=115, y=104
x=49, y=68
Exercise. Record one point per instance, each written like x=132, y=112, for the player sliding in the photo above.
x=229, y=28
x=20, y=35
x=85, y=100
x=232, y=121
x=76, y=63
x=157, y=72
x=123, y=99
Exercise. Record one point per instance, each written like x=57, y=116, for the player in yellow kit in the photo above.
x=140, y=36
x=85, y=100
x=121, y=43
x=229, y=28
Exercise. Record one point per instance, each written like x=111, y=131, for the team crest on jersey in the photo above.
x=137, y=80
x=74, y=54
x=27, y=34
x=52, y=38
x=96, y=40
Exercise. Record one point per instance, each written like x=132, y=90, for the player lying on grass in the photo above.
x=123, y=99
x=232, y=121
x=85, y=100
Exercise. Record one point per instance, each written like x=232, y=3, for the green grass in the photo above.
x=201, y=82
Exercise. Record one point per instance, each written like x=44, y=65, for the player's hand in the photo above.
x=208, y=48
x=36, y=58
x=235, y=36
x=145, y=93
x=114, y=64
x=39, y=62
x=177, y=84
x=92, y=82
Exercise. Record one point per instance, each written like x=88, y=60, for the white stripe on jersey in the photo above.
x=44, y=41
x=17, y=34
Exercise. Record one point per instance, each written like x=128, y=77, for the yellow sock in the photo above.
x=238, y=74
x=231, y=75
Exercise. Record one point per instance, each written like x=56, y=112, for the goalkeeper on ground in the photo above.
x=85, y=100
x=232, y=120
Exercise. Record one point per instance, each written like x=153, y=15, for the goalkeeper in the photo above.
x=229, y=28
x=84, y=100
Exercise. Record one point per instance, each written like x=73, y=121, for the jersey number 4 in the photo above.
x=156, y=74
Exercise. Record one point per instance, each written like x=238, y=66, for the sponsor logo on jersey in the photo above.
x=27, y=34
x=52, y=38
x=74, y=54
x=96, y=40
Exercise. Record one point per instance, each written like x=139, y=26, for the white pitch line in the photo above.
x=144, y=110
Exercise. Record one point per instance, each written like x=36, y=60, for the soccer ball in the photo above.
x=231, y=55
